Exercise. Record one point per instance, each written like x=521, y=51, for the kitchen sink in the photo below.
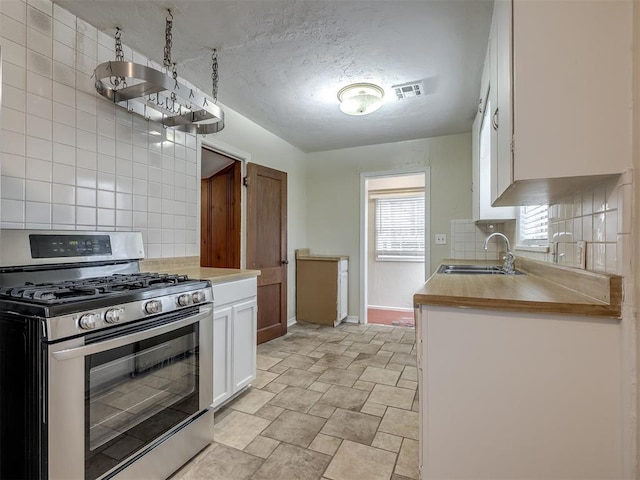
x=476, y=270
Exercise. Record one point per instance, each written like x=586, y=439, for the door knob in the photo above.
x=285, y=262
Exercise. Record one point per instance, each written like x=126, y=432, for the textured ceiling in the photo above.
x=283, y=61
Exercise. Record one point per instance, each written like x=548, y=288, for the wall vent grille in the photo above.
x=409, y=90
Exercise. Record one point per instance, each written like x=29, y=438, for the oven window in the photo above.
x=136, y=393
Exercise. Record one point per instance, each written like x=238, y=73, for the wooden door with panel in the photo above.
x=221, y=217
x=267, y=246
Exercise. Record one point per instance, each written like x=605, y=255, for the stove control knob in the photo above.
x=198, y=297
x=153, y=306
x=113, y=315
x=184, y=300
x=88, y=321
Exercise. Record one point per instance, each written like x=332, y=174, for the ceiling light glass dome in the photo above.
x=360, y=98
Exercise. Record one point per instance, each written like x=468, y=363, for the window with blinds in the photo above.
x=534, y=225
x=399, y=228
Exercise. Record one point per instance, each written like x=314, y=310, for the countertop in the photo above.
x=323, y=258
x=190, y=266
x=546, y=288
x=216, y=275
x=305, y=254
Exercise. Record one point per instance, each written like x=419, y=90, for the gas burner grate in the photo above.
x=96, y=287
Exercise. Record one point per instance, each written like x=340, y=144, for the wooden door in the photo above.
x=267, y=246
x=220, y=218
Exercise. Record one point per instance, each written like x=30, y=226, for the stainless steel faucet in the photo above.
x=509, y=258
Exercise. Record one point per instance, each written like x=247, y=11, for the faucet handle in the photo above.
x=509, y=258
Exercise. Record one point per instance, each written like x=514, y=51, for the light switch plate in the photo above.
x=581, y=252
x=441, y=238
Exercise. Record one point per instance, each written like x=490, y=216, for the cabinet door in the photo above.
x=222, y=318
x=502, y=117
x=343, y=295
x=475, y=165
x=573, y=87
x=245, y=317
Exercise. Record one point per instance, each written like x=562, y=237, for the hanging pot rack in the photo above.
x=158, y=96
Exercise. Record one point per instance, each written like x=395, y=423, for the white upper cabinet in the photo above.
x=484, y=144
x=564, y=97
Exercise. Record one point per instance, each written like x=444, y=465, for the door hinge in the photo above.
x=513, y=145
x=245, y=181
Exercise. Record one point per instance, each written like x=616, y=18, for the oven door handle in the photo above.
x=93, y=348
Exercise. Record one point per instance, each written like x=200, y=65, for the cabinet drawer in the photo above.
x=230, y=292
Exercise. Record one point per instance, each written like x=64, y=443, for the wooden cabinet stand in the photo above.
x=321, y=288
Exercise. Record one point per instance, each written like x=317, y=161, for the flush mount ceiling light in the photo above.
x=360, y=98
x=159, y=95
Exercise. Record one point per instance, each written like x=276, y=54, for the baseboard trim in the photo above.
x=352, y=319
x=291, y=321
x=395, y=309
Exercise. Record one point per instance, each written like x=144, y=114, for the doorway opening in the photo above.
x=395, y=247
x=220, y=218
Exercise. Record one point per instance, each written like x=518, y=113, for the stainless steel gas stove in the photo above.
x=105, y=372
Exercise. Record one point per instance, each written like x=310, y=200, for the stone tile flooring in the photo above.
x=328, y=403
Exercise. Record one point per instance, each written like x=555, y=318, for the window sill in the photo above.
x=533, y=248
x=382, y=258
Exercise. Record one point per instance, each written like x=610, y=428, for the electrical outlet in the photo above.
x=441, y=238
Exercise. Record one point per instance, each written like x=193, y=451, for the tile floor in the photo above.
x=328, y=403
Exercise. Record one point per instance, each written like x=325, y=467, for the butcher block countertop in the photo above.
x=190, y=266
x=547, y=288
x=304, y=254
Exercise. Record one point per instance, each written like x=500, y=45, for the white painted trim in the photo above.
x=395, y=309
x=292, y=321
x=363, y=226
x=351, y=319
x=226, y=149
x=532, y=248
x=216, y=145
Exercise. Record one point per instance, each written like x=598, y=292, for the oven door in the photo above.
x=116, y=397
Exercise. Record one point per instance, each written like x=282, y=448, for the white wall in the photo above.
x=633, y=263
x=333, y=194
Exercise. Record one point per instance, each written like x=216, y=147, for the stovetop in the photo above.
x=98, y=294
x=69, y=291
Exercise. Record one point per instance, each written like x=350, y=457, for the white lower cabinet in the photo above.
x=343, y=290
x=507, y=395
x=235, y=315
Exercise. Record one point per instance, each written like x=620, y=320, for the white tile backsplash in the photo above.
x=37, y=104
x=601, y=216
x=63, y=214
x=39, y=169
x=38, y=212
x=12, y=29
x=37, y=191
x=597, y=215
x=467, y=240
x=13, y=52
x=13, y=188
x=12, y=211
x=70, y=159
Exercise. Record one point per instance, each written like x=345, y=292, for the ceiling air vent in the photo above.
x=409, y=90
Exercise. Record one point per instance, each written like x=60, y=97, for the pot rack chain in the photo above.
x=168, y=38
x=214, y=75
x=116, y=81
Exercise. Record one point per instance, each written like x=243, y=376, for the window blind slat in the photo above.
x=400, y=226
x=534, y=224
